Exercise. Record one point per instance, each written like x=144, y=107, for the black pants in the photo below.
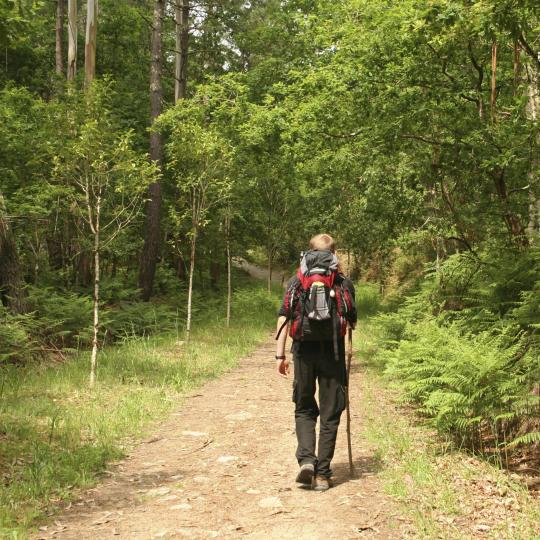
x=315, y=361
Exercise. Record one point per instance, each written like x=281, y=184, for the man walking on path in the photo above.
x=317, y=307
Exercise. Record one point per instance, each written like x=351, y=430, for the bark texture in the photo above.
x=182, y=45
x=153, y=208
x=229, y=266
x=90, y=43
x=59, y=56
x=190, y=285
x=95, y=326
x=72, y=40
x=533, y=113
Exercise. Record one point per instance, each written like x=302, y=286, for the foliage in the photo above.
x=408, y=130
x=57, y=434
x=464, y=347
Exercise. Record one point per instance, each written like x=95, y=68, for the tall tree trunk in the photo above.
x=90, y=43
x=153, y=207
x=190, y=285
x=517, y=66
x=229, y=266
x=512, y=220
x=493, y=99
x=533, y=114
x=72, y=40
x=59, y=57
x=12, y=292
x=93, y=357
x=270, y=261
x=182, y=44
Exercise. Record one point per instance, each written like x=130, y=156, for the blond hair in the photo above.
x=323, y=242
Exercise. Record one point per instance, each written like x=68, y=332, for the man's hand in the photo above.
x=283, y=368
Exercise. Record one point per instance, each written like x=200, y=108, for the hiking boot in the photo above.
x=321, y=483
x=305, y=474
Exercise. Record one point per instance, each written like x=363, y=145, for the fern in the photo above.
x=528, y=438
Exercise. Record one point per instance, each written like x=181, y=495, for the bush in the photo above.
x=465, y=346
x=65, y=318
x=464, y=383
x=16, y=337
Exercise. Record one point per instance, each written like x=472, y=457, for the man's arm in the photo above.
x=282, y=364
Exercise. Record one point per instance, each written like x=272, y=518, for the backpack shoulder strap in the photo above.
x=288, y=300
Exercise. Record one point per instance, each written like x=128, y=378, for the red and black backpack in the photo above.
x=316, y=302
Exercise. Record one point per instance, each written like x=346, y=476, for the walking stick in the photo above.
x=349, y=360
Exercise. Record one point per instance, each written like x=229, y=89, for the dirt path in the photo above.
x=222, y=466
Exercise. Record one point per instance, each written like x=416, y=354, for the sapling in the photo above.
x=106, y=184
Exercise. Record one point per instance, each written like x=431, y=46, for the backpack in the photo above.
x=316, y=302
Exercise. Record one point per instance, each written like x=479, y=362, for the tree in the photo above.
x=91, y=42
x=72, y=40
x=182, y=44
x=153, y=208
x=59, y=56
x=107, y=181
x=199, y=159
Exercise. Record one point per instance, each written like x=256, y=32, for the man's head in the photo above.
x=323, y=242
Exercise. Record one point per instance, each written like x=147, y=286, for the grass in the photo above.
x=57, y=435
x=443, y=492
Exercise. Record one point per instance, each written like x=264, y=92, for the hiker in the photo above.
x=318, y=305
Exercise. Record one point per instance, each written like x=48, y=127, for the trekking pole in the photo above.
x=349, y=361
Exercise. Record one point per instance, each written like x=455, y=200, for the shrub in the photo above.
x=17, y=341
x=65, y=318
x=463, y=383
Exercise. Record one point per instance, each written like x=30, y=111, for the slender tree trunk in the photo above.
x=190, y=285
x=59, y=57
x=12, y=292
x=182, y=45
x=72, y=40
x=93, y=357
x=229, y=266
x=512, y=220
x=90, y=44
x=153, y=207
x=493, y=99
x=533, y=114
x=517, y=66
x=270, y=270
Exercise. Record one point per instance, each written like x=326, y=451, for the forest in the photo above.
x=146, y=147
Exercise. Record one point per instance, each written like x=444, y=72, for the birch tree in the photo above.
x=91, y=42
x=227, y=227
x=72, y=40
x=533, y=114
x=107, y=180
x=59, y=55
x=199, y=159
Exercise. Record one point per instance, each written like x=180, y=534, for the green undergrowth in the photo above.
x=463, y=346
x=441, y=491
x=57, y=435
